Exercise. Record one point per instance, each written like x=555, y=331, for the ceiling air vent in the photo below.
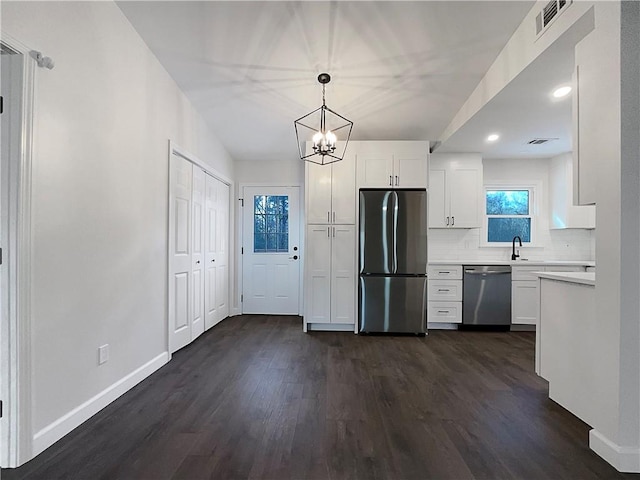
x=550, y=11
x=540, y=141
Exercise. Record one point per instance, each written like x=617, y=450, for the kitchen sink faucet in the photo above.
x=515, y=255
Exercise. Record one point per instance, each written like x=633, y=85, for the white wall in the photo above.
x=104, y=116
x=466, y=244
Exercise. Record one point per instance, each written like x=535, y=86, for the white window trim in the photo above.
x=533, y=188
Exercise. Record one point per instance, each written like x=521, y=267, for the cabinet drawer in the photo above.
x=525, y=273
x=445, y=290
x=444, y=312
x=447, y=272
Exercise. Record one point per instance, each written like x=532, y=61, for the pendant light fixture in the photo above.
x=324, y=131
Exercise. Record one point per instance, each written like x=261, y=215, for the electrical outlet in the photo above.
x=103, y=354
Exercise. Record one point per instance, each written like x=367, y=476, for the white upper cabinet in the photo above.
x=331, y=192
x=392, y=164
x=455, y=191
x=563, y=214
x=596, y=103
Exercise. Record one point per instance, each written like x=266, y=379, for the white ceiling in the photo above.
x=400, y=70
x=524, y=110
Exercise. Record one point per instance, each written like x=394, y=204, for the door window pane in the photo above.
x=271, y=223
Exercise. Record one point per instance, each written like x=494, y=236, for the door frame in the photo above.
x=16, y=436
x=240, y=236
x=175, y=149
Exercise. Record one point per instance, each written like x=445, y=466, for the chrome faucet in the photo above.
x=515, y=255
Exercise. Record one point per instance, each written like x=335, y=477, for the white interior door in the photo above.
x=271, y=250
x=180, y=263
x=211, y=227
x=216, y=252
x=197, y=253
x=222, y=252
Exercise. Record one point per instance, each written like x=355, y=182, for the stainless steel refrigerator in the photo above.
x=393, y=261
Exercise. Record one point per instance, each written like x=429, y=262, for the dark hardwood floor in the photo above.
x=256, y=398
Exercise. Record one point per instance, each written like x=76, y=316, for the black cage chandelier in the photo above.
x=325, y=133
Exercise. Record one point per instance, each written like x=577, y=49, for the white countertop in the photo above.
x=523, y=263
x=582, y=278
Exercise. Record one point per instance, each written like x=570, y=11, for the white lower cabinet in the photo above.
x=444, y=291
x=525, y=297
x=330, y=275
x=525, y=291
x=444, y=312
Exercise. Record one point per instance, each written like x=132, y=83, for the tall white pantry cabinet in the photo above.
x=331, y=206
x=330, y=263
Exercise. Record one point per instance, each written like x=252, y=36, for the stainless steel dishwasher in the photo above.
x=486, y=297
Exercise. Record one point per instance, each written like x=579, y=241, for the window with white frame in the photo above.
x=508, y=213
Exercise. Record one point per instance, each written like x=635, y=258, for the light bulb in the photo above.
x=562, y=92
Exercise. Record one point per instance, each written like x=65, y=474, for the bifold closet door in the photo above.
x=216, y=251
x=198, y=252
x=180, y=247
x=222, y=252
x=198, y=256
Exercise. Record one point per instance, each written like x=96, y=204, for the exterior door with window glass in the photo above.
x=271, y=251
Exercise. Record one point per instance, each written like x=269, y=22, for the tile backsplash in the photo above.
x=464, y=244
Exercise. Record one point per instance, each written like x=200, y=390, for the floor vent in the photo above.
x=540, y=141
x=550, y=12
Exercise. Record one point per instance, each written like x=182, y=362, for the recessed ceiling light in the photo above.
x=493, y=137
x=562, y=91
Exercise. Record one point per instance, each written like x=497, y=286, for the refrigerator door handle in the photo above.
x=394, y=233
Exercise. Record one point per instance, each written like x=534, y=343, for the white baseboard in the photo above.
x=234, y=312
x=623, y=459
x=58, y=429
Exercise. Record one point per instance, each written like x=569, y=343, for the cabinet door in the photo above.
x=410, y=171
x=343, y=191
x=437, y=202
x=525, y=297
x=318, y=193
x=375, y=170
x=465, y=198
x=343, y=274
x=317, y=298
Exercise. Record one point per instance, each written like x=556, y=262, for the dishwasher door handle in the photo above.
x=479, y=272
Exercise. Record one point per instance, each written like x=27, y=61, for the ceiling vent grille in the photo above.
x=549, y=13
x=540, y=141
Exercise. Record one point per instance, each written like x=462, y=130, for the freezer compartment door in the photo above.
x=392, y=304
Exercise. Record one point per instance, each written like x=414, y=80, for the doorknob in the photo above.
x=197, y=262
x=295, y=257
x=213, y=260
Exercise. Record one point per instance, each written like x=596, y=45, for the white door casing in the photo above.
x=18, y=86
x=271, y=272
x=180, y=263
x=197, y=253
